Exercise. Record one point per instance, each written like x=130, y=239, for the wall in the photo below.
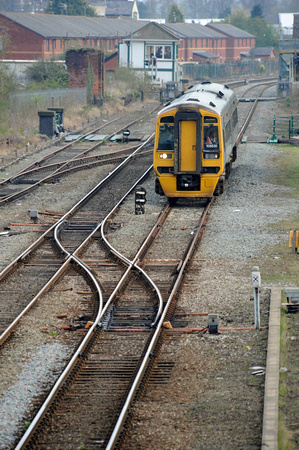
x=48, y=98
x=23, y=43
x=78, y=63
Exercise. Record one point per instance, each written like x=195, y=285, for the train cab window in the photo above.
x=166, y=137
x=211, y=138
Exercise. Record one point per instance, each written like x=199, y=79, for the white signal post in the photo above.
x=256, y=283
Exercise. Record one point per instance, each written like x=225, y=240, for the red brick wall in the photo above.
x=78, y=61
x=22, y=43
x=112, y=63
x=214, y=46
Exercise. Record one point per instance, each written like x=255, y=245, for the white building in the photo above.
x=152, y=48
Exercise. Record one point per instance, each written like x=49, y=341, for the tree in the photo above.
x=70, y=8
x=175, y=15
x=225, y=13
x=256, y=11
x=142, y=8
x=266, y=34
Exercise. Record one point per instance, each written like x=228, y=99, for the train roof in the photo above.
x=213, y=97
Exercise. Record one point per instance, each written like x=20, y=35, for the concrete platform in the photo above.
x=270, y=419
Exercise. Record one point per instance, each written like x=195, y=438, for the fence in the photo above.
x=284, y=128
x=46, y=98
x=249, y=67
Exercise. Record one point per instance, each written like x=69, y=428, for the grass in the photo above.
x=288, y=162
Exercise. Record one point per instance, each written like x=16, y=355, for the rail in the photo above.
x=51, y=232
x=135, y=385
x=36, y=421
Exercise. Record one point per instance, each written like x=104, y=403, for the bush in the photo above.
x=8, y=85
x=47, y=75
x=132, y=81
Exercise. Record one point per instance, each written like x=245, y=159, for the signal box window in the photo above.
x=166, y=137
x=211, y=138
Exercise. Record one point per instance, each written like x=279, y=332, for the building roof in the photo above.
x=205, y=55
x=192, y=30
x=153, y=31
x=259, y=52
x=263, y=51
x=230, y=30
x=58, y=26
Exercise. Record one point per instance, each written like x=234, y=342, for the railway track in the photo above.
x=42, y=262
x=122, y=318
x=72, y=157
x=123, y=346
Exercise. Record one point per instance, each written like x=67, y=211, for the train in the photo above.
x=196, y=142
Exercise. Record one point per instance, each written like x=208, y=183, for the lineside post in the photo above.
x=256, y=283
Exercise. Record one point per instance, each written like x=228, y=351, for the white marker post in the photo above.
x=256, y=283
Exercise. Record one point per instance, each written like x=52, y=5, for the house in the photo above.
x=116, y=8
x=152, y=48
x=198, y=43
x=238, y=41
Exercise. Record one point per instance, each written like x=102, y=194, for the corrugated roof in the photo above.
x=192, y=30
x=206, y=55
x=59, y=26
x=262, y=51
x=230, y=30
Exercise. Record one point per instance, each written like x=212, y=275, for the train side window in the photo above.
x=166, y=137
x=235, y=118
x=211, y=138
x=228, y=131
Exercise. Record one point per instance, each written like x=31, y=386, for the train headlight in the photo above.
x=211, y=155
x=165, y=156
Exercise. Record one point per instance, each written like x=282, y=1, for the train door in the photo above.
x=187, y=149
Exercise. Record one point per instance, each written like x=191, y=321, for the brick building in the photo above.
x=199, y=43
x=28, y=37
x=42, y=36
x=237, y=40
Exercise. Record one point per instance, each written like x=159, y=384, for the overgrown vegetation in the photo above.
x=47, y=74
x=127, y=81
x=8, y=85
x=288, y=161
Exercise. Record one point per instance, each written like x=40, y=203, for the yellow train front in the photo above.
x=195, y=142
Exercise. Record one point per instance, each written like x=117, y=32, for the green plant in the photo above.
x=49, y=74
x=8, y=85
x=132, y=81
x=53, y=333
x=90, y=84
x=26, y=425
